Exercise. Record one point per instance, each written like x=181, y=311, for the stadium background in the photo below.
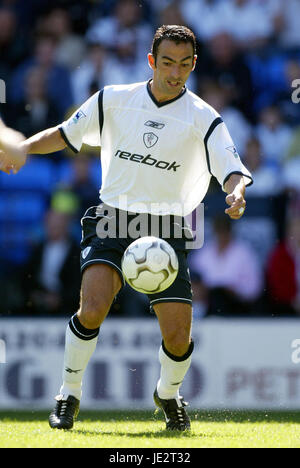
x=246, y=279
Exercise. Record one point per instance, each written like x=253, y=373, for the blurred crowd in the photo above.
x=55, y=54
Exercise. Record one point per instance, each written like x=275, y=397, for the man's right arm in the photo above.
x=47, y=141
x=81, y=127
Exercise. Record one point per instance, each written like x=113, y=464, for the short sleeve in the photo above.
x=222, y=156
x=84, y=125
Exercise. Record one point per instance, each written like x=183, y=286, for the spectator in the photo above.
x=131, y=303
x=36, y=112
x=229, y=271
x=52, y=275
x=205, y=17
x=104, y=8
x=238, y=126
x=283, y=280
x=127, y=38
x=236, y=17
x=171, y=14
x=70, y=48
x=200, y=296
x=286, y=15
x=250, y=23
x=274, y=135
x=225, y=64
x=58, y=77
x=267, y=176
x=294, y=147
x=27, y=12
x=12, y=45
x=92, y=74
x=158, y=5
x=82, y=184
x=290, y=111
x=291, y=176
x=268, y=72
x=123, y=66
x=126, y=22
x=291, y=164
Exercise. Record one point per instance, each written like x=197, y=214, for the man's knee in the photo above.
x=100, y=285
x=92, y=312
x=177, y=342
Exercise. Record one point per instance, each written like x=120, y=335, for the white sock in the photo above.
x=173, y=371
x=79, y=347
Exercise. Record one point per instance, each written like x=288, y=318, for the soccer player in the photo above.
x=160, y=145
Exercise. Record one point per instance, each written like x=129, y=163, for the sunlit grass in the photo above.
x=120, y=429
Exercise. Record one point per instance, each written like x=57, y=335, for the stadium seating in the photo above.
x=37, y=174
x=21, y=213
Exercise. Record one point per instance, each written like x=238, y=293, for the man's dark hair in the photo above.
x=174, y=33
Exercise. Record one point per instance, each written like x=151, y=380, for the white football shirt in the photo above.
x=157, y=157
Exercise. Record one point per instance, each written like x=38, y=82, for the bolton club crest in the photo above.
x=150, y=139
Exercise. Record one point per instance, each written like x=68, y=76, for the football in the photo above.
x=149, y=265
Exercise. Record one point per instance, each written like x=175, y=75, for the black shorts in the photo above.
x=109, y=250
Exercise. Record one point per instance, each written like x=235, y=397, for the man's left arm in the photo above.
x=225, y=164
x=235, y=188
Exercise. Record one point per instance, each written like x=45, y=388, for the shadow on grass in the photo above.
x=201, y=416
x=133, y=435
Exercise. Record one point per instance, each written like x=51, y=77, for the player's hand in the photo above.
x=237, y=205
x=13, y=153
x=12, y=165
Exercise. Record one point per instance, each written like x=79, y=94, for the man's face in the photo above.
x=173, y=66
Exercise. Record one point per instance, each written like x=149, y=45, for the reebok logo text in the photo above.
x=157, y=125
x=148, y=160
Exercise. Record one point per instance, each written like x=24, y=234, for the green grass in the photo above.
x=125, y=429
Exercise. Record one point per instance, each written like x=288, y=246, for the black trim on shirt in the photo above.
x=164, y=103
x=100, y=109
x=215, y=123
x=239, y=173
x=64, y=136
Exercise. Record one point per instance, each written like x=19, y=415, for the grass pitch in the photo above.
x=127, y=429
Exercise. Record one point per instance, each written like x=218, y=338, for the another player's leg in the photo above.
x=175, y=320
x=100, y=284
